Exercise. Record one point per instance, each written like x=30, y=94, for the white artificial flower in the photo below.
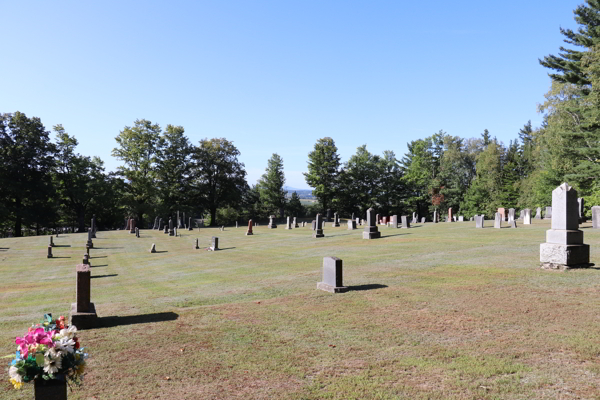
x=12, y=372
x=70, y=333
x=65, y=345
x=52, y=361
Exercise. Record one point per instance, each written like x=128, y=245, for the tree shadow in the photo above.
x=372, y=286
x=98, y=266
x=103, y=276
x=111, y=322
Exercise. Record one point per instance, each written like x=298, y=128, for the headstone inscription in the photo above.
x=332, y=276
x=249, y=231
x=83, y=311
x=272, y=224
x=527, y=216
x=596, y=217
x=371, y=231
x=564, y=247
x=319, y=228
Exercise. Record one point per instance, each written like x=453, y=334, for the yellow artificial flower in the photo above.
x=16, y=384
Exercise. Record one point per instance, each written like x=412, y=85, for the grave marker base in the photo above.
x=331, y=289
x=83, y=320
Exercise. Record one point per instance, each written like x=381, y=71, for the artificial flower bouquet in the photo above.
x=49, y=350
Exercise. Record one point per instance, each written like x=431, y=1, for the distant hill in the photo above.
x=302, y=193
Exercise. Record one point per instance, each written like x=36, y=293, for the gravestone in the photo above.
x=521, y=215
x=171, y=229
x=336, y=220
x=564, y=247
x=175, y=231
x=295, y=223
x=377, y=220
x=405, y=223
x=357, y=221
x=49, y=252
x=596, y=217
x=190, y=224
x=351, y=224
x=423, y=220
x=272, y=224
x=435, y=217
x=86, y=259
x=83, y=311
x=319, y=228
x=160, y=224
x=371, y=231
x=196, y=245
x=89, y=243
x=303, y=224
x=394, y=221
x=580, y=205
x=498, y=221
x=153, y=248
x=288, y=224
x=512, y=224
x=511, y=214
x=51, y=243
x=314, y=225
x=415, y=218
x=527, y=216
x=450, y=219
x=137, y=232
x=214, y=246
x=249, y=231
x=479, y=220
x=127, y=223
x=538, y=213
x=502, y=213
x=94, y=226
x=332, y=276
x=548, y=214
x=177, y=221
x=461, y=218
x=166, y=230
x=132, y=226
x=384, y=220
x=328, y=215
x=353, y=217
x=454, y=218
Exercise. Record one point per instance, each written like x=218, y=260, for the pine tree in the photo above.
x=323, y=169
x=272, y=194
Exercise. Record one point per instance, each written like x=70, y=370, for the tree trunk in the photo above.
x=18, y=219
x=81, y=219
x=213, y=216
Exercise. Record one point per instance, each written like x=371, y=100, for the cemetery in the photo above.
x=434, y=311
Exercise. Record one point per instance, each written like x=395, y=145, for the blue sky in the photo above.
x=275, y=76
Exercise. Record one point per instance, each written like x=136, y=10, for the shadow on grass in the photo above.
x=106, y=248
x=103, y=276
x=59, y=257
x=397, y=234
x=371, y=286
x=584, y=266
x=111, y=322
x=226, y=248
x=99, y=257
x=162, y=251
x=62, y=245
x=98, y=266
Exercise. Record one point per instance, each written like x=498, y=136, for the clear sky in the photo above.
x=275, y=76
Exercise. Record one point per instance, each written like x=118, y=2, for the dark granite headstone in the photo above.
x=83, y=312
x=371, y=231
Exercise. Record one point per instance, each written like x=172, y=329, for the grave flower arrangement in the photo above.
x=49, y=350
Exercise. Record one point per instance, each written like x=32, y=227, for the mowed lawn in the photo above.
x=438, y=311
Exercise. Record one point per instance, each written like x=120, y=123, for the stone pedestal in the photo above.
x=51, y=389
x=83, y=311
x=564, y=247
x=332, y=276
x=371, y=231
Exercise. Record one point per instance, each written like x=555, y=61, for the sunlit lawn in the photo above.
x=442, y=311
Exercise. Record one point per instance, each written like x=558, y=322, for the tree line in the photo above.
x=46, y=184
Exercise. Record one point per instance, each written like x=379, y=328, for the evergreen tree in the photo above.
x=294, y=207
x=323, y=169
x=272, y=194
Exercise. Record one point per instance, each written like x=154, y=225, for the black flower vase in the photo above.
x=51, y=389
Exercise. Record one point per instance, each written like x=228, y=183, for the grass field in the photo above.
x=438, y=311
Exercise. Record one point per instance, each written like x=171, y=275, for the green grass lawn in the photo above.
x=438, y=311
